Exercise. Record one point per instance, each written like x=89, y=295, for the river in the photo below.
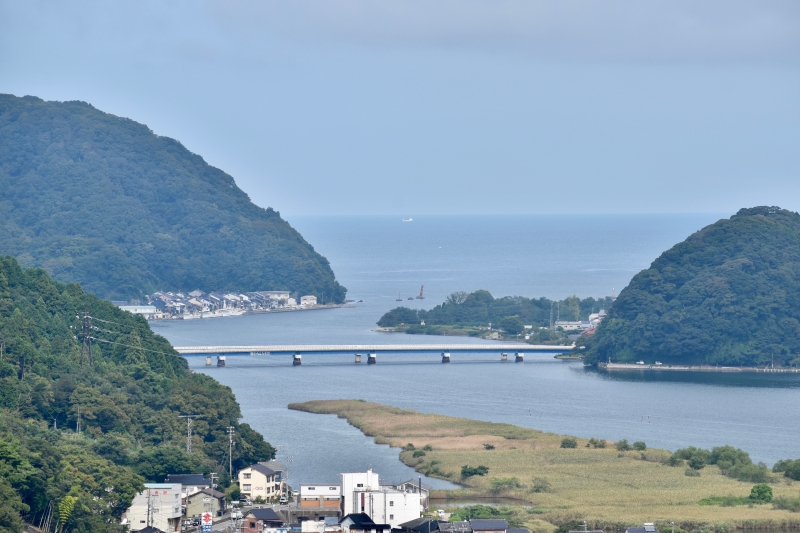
x=379, y=258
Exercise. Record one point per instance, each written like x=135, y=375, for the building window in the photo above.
x=246, y=476
x=312, y=488
x=360, y=485
x=391, y=517
x=245, y=487
x=391, y=504
x=252, y=524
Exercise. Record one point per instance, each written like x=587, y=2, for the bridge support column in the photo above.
x=504, y=357
x=519, y=358
x=297, y=360
x=208, y=360
x=372, y=359
x=358, y=358
x=445, y=357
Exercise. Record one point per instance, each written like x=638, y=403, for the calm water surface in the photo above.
x=377, y=258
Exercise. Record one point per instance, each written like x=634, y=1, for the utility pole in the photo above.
x=214, y=477
x=230, y=451
x=189, y=430
x=78, y=423
x=86, y=347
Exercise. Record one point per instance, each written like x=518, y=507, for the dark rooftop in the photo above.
x=488, y=524
x=263, y=469
x=421, y=525
x=187, y=479
x=455, y=527
x=267, y=515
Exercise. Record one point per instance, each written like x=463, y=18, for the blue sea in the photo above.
x=381, y=259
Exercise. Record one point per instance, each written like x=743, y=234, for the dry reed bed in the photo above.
x=608, y=488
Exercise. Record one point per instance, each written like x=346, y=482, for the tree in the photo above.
x=512, y=325
x=761, y=493
x=569, y=442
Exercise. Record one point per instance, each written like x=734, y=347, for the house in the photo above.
x=259, y=481
x=325, y=496
x=568, y=325
x=308, y=300
x=362, y=523
x=148, y=311
x=362, y=493
x=488, y=525
x=205, y=501
x=159, y=506
x=259, y=520
x=418, y=487
x=647, y=527
x=191, y=483
x=425, y=524
x=455, y=527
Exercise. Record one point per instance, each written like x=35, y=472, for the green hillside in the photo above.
x=729, y=294
x=128, y=404
x=103, y=201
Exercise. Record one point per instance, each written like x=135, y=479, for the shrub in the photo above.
x=697, y=462
x=623, y=445
x=419, y=453
x=790, y=469
x=639, y=446
x=540, y=484
x=569, y=442
x=428, y=448
x=469, y=471
x=488, y=446
x=691, y=473
x=503, y=484
x=761, y=493
x=789, y=504
x=409, y=447
x=595, y=443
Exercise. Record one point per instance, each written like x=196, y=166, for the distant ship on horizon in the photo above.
x=408, y=219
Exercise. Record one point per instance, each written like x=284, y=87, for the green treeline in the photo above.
x=101, y=200
x=127, y=404
x=728, y=295
x=480, y=308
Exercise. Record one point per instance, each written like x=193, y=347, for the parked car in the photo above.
x=284, y=500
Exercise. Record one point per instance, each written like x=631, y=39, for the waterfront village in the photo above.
x=358, y=503
x=199, y=304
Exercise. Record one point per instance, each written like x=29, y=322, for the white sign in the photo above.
x=206, y=519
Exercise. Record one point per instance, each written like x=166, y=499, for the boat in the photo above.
x=191, y=316
x=408, y=220
x=410, y=297
x=399, y=298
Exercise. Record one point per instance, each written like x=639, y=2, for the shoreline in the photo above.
x=696, y=368
x=609, y=488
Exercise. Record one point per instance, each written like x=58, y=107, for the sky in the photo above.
x=420, y=107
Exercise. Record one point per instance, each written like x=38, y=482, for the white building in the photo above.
x=158, y=506
x=362, y=493
x=149, y=311
x=258, y=480
x=291, y=302
x=308, y=300
x=326, y=496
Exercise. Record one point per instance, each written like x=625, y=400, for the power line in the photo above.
x=135, y=347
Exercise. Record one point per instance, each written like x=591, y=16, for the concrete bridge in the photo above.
x=370, y=350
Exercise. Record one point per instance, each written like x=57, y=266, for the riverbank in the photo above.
x=697, y=368
x=608, y=488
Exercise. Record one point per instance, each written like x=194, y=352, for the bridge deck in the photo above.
x=366, y=348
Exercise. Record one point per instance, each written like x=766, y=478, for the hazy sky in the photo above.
x=421, y=107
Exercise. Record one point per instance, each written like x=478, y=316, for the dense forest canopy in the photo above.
x=101, y=200
x=480, y=308
x=128, y=404
x=728, y=295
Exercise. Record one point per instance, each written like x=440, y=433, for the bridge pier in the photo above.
x=519, y=358
x=504, y=357
x=208, y=360
x=358, y=358
x=297, y=360
x=445, y=357
x=372, y=359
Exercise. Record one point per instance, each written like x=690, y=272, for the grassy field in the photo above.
x=555, y=486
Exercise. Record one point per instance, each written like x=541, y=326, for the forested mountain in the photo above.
x=127, y=402
x=103, y=201
x=729, y=294
x=480, y=308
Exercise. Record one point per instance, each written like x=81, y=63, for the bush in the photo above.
x=697, y=462
x=419, y=453
x=639, y=446
x=428, y=448
x=623, y=445
x=790, y=468
x=691, y=473
x=503, y=484
x=488, y=446
x=469, y=471
x=540, y=484
x=595, y=443
x=569, y=442
x=788, y=504
x=409, y=447
x=761, y=493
